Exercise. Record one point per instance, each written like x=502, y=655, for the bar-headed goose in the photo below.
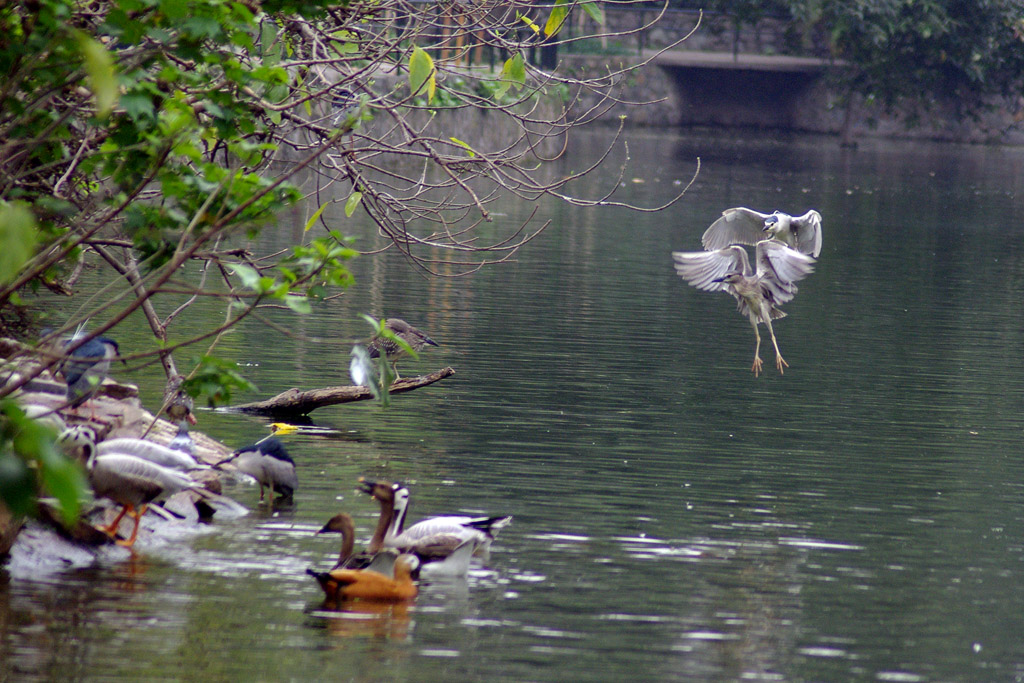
x=152, y=451
x=128, y=480
x=443, y=544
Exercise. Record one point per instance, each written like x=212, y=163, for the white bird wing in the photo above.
x=702, y=268
x=148, y=450
x=808, y=232
x=779, y=268
x=451, y=525
x=739, y=225
x=455, y=564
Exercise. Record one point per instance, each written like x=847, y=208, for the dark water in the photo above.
x=858, y=518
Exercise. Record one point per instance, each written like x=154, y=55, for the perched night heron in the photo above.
x=87, y=366
x=129, y=481
x=269, y=464
x=415, y=338
x=440, y=543
x=758, y=292
x=746, y=226
x=178, y=405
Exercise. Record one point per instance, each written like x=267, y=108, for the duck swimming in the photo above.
x=440, y=543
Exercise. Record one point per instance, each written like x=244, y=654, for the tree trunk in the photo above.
x=296, y=402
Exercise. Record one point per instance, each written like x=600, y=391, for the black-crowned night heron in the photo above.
x=129, y=481
x=758, y=292
x=746, y=226
x=178, y=405
x=86, y=367
x=414, y=337
x=269, y=464
x=436, y=539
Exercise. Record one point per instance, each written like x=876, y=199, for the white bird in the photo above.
x=129, y=481
x=758, y=292
x=746, y=226
x=443, y=544
x=154, y=452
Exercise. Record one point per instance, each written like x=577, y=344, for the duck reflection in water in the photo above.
x=366, y=619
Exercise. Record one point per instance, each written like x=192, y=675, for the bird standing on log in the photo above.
x=759, y=292
x=87, y=366
x=417, y=339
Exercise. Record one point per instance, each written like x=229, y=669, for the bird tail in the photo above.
x=777, y=313
x=489, y=525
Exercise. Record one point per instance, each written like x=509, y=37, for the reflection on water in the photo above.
x=859, y=517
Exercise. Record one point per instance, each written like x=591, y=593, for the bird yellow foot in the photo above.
x=756, y=367
x=779, y=363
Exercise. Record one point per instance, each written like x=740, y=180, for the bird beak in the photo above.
x=366, y=485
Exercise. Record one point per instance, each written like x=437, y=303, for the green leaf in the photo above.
x=557, y=17
x=352, y=203
x=99, y=66
x=299, y=304
x=594, y=11
x=529, y=22
x=249, y=276
x=312, y=220
x=513, y=73
x=64, y=480
x=421, y=72
x=464, y=145
x=18, y=232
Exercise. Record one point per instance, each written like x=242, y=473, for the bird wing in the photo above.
x=452, y=525
x=118, y=473
x=702, y=268
x=148, y=450
x=282, y=473
x=807, y=229
x=779, y=268
x=736, y=226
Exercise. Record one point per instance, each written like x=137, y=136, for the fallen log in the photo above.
x=296, y=402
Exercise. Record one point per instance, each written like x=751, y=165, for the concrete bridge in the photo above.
x=725, y=89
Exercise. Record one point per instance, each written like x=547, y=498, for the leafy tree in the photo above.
x=144, y=135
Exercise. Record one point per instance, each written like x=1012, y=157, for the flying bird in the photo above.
x=758, y=291
x=746, y=226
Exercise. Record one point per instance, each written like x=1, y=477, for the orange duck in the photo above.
x=370, y=583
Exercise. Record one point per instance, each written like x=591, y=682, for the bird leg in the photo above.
x=758, y=363
x=111, y=529
x=137, y=515
x=779, y=361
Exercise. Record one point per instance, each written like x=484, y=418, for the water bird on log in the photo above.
x=129, y=481
x=746, y=226
x=417, y=339
x=178, y=405
x=86, y=367
x=369, y=584
x=758, y=293
x=269, y=464
x=438, y=542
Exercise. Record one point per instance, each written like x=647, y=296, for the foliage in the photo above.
x=144, y=135
x=911, y=54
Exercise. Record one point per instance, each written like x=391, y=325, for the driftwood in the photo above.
x=296, y=402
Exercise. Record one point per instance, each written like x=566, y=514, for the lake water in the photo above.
x=859, y=518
